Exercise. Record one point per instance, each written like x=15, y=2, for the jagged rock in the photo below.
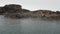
x=12, y=8
x=2, y=10
x=16, y=11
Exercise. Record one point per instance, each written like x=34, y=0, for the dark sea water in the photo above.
x=29, y=26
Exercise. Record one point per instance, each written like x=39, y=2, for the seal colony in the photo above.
x=16, y=11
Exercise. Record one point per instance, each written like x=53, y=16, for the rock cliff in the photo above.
x=16, y=11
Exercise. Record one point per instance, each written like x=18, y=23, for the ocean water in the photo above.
x=29, y=26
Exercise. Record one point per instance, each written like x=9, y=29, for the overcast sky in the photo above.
x=35, y=4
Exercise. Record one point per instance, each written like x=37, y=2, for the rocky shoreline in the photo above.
x=16, y=11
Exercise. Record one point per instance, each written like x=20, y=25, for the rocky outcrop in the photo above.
x=16, y=11
x=12, y=8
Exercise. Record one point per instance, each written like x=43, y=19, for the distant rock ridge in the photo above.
x=16, y=11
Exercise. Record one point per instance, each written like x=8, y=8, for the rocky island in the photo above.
x=16, y=11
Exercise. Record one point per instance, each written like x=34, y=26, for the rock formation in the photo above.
x=12, y=8
x=16, y=11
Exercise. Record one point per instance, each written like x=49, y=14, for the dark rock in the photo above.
x=12, y=8
x=16, y=11
x=2, y=10
x=57, y=12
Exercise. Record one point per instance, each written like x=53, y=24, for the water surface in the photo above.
x=28, y=26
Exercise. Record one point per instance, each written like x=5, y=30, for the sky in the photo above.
x=35, y=4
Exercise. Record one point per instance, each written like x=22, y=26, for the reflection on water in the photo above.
x=28, y=26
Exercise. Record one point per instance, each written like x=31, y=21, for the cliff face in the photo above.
x=16, y=11
x=12, y=8
x=1, y=10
